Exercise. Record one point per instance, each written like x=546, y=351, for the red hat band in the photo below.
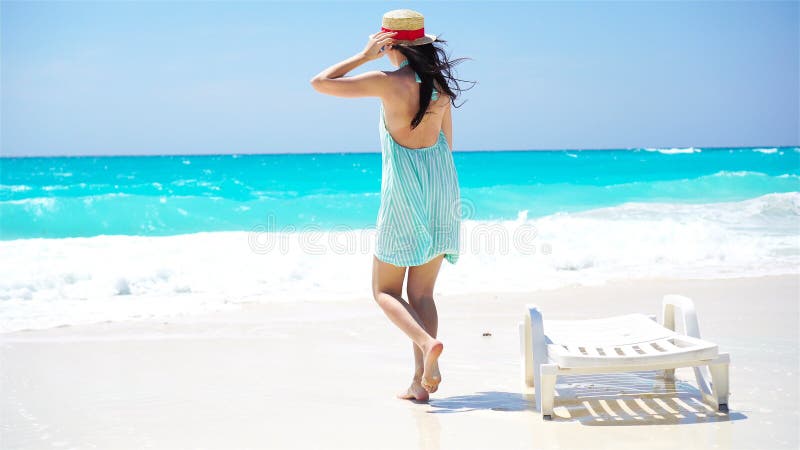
x=406, y=35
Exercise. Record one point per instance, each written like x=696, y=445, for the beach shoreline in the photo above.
x=324, y=374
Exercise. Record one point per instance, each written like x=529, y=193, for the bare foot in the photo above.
x=431, y=376
x=415, y=391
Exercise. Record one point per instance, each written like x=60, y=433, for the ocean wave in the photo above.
x=14, y=187
x=674, y=150
x=768, y=151
x=110, y=277
x=52, y=201
x=48, y=202
x=738, y=173
x=56, y=187
x=700, y=184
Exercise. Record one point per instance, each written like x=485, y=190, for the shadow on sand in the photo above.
x=636, y=398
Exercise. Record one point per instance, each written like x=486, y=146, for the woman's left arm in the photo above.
x=332, y=81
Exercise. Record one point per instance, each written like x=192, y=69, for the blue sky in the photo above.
x=222, y=77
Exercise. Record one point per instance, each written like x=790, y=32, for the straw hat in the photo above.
x=410, y=26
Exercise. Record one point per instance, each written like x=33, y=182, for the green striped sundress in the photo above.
x=419, y=215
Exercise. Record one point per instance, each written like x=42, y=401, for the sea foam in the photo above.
x=50, y=282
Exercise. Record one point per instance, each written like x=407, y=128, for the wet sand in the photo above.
x=324, y=375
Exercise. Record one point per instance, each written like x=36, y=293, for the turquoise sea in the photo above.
x=166, y=195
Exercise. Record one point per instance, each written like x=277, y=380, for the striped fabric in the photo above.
x=419, y=217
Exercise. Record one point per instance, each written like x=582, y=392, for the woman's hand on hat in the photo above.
x=378, y=44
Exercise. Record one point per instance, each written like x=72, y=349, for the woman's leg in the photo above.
x=387, y=288
x=421, y=280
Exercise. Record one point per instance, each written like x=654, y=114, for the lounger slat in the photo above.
x=630, y=350
x=591, y=350
x=649, y=349
x=609, y=351
x=668, y=346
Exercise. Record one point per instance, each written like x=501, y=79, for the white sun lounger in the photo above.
x=633, y=342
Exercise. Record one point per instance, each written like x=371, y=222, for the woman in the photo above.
x=419, y=217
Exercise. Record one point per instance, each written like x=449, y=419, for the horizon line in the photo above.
x=86, y=155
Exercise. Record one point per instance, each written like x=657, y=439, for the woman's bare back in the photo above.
x=400, y=106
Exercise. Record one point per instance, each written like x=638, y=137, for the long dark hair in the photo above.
x=432, y=63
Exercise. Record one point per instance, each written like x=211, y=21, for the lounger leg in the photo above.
x=548, y=376
x=534, y=338
x=713, y=381
x=526, y=354
x=669, y=374
x=719, y=383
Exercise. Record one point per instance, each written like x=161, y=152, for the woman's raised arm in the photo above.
x=332, y=81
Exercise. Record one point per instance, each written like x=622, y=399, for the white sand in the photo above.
x=314, y=375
